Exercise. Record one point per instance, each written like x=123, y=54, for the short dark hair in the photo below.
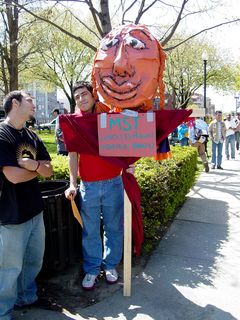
x=7, y=102
x=82, y=84
x=218, y=111
x=56, y=110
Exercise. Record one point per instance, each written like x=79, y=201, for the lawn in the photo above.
x=49, y=141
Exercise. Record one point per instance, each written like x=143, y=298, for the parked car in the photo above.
x=48, y=125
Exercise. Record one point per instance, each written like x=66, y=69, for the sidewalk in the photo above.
x=194, y=273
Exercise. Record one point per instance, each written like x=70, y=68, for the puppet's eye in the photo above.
x=135, y=43
x=107, y=44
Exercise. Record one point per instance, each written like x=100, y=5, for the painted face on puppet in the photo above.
x=127, y=65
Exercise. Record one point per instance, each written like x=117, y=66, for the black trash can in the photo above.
x=63, y=232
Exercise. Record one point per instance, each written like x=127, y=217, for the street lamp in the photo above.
x=205, y=59
x=236, y=98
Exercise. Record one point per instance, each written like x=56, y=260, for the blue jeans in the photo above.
x=217, y=160
x=21, y=256
x=102, y=199
x=230, y=140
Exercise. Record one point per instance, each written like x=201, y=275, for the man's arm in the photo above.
x=29, y=169
x=73, y=159
x=18, y=175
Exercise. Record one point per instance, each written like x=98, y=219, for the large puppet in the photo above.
x=128, y=68
x=127, y=73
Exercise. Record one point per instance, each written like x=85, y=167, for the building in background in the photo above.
x=197, y=99
x=45, y=101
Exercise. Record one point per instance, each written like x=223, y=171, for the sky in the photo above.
x=225, y=38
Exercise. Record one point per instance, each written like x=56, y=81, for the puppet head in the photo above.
x=128, y=68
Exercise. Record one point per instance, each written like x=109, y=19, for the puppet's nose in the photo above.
x=121, y=66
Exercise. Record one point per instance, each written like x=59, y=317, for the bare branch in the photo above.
x=124, y=13
x=89, y=45
x=140, y=14
x=196, y=34
x=95, y=15
x=81, y=22
x=176, y=24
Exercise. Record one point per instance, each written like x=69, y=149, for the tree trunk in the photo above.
x=13, y=29
x=105, y=17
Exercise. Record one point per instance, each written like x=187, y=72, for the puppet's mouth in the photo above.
x=124, y=91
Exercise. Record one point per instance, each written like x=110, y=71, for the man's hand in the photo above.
x=131, y=169
x=28, y=164
x=71, y=192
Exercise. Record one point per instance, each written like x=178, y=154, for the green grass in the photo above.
x=49, y=141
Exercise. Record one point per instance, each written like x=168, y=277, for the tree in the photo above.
x=9, y=46
x=184, y=71
x=121, y=12
x=64, y=61
x=13, y=53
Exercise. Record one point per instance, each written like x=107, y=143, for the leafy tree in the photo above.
x=184, y=70
x=65, y=60
x=13, y=55
x=237, y=78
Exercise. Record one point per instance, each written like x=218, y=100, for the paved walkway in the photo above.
x=194, y=274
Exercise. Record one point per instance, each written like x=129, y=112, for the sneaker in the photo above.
x=206, y=166
x=219, y=167
x=88, y=282
x=111, y=276
x=213, y=166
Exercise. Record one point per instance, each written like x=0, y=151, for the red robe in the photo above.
x=81, y=136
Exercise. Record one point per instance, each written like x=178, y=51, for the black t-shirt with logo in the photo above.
x=22, y=201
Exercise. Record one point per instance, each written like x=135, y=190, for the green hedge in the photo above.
x=164, y=185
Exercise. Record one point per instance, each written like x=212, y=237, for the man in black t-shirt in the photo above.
x=23, y=157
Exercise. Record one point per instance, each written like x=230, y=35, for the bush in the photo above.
x=60, y=168
x=164, y=186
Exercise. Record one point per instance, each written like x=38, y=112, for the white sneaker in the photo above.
x=89, y=281
x=111, y=276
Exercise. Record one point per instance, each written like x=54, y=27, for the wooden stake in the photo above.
x=127, y=260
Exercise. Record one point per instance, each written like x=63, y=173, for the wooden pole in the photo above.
x=127, y=260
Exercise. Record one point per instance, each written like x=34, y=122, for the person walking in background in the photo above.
x=237, y=131
x=23, y=157
x=230, y=136
x=217, y=134
x=183, y=134
x=197, y=139
x=61, y=149
x=203, y=127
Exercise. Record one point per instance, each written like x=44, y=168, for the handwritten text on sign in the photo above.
x=124, y=135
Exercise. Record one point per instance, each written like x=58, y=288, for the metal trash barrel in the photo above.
x=63, y=232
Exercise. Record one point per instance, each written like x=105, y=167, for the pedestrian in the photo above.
x=23, y=157
x=183, y=134
x=101, y=196
x=61, y=149
x=237, y=131
x=217, y=134
x=197, y=139
x=230, y=136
